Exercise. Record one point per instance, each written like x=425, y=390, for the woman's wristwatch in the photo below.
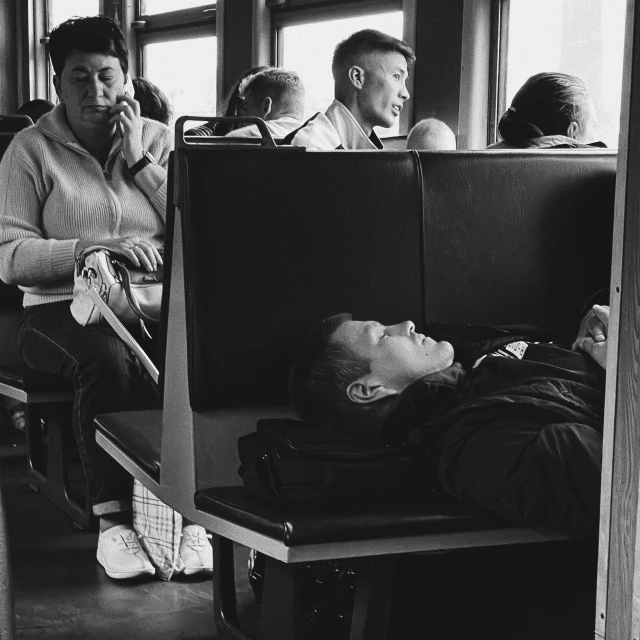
x=146, y=159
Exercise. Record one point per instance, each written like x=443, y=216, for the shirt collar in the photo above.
x=351, y=133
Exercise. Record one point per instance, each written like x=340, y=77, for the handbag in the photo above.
x=133, y=294
x=108, y=289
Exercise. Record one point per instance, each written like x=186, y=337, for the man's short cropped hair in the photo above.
x=348, y=51
x=319, y=379
x=284, y=87
x=96, y=34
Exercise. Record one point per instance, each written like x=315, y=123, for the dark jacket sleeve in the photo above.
x=535, y=476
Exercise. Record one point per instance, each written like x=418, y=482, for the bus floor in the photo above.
x=532, y=592
x=60, y=590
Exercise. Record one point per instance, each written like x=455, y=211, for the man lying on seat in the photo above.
x=506, y=419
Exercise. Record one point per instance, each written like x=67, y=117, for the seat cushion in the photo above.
x=136, y=433
x=29, y=380
x=312, y=524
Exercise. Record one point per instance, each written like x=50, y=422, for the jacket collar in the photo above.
x=548, y=142
x=426, y=399
x=54, y=125
x=351, y=133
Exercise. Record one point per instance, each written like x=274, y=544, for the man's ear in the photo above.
x=365, y=390
x=572, y=130
x=356, y=76
x=267, y=105
x=56, y=85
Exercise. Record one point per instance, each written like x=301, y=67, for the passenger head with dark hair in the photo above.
x=370, y=70
x=349, y=372
x=35, y=108
x=153, y=103
x=272, y=93
x=90, y=60
x=549, y=110
x=96, y=34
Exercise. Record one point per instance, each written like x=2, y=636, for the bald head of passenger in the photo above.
x=431, y=134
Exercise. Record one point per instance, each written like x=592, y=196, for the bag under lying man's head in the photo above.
x=286, y=461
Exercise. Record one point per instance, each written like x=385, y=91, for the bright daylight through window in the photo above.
x=150, y=7
x=190, y=88
x=308, y=49
x=582, y=37
x=61, y=10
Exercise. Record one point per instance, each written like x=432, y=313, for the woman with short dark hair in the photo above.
x=153, y=103
x=90, y=172
x=549, y=110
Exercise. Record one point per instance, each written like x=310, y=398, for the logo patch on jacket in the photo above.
x=512, y=350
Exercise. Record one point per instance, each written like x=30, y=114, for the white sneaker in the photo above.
x=120, y=554
x=195, y=550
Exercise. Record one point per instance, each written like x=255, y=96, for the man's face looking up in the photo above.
x=398, y=356
x=383, y=89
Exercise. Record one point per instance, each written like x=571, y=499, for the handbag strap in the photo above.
x=126, y=285
x=121, y=330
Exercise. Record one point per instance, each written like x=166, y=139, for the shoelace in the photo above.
x=196, y=540
x=128, y=543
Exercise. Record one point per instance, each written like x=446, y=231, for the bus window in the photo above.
x=151, y=7
x=308, y=49
x=190, y=88
x=582, y=38
x=61, y=10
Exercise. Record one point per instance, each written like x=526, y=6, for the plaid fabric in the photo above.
x=159, y=529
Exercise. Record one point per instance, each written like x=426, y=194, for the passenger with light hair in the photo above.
x=431, y=134
x=275, y=95
x=370, y=70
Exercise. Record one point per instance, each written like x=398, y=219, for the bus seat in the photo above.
x=394, y=143
x=12, y=123
x=301, y=236
x=547, y=215
x=47, y=399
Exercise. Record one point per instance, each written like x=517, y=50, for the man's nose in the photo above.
x=404, y=93
x=403, y=328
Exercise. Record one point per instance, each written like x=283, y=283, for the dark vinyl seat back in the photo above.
x=5, y=141
x=284, y=240
x=12, y=123
x=10, y=296
x=516, y=237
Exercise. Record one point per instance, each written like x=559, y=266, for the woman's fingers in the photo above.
x=127, y=112
x=151, y=253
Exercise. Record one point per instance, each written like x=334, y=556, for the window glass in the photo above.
x=61, y=10
x=308, y=49
x=584, y=38
x=149, y=7
x=190, y=88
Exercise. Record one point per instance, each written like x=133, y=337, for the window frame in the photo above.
x=43, y=71
x=498, y=62
x=183, y=24
x=172, y=25
x=285, y=13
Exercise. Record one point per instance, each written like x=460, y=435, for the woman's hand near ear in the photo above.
x=127, y=112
